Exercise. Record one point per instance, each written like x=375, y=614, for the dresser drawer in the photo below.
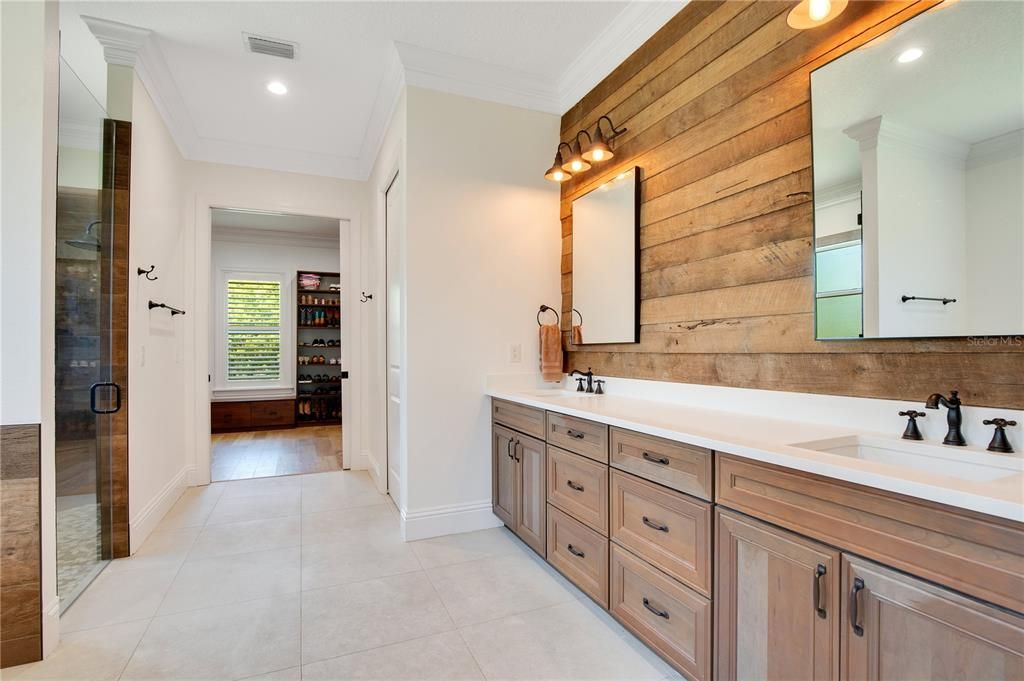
x=579, y=487
x=228, y=415
x=519, y=417
x=680, y=466
x=273, y=413
x=667, y=529
x=668, y=617
x=579, y=553
x=578, y=435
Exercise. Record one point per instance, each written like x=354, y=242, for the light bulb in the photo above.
x=577, y=165
x=909, y=55
x=818, y=9
x=277, y=87
x=558, y=175
x=598, y=154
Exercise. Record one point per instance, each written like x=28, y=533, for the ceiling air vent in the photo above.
x=270, y=46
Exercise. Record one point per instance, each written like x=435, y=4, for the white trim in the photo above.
x=121, y=42
x=146, y=520
x=51, y=626
x=837, y=194
x=633, y=26
x=452, y=519
x=996, y=149
x=249, y=394
x=272, y=237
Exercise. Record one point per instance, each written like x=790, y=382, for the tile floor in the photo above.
x=307, y=577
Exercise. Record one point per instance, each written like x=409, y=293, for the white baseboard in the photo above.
x=146, y=520
x=51, y=627
x=191, y=479
x=442, y=520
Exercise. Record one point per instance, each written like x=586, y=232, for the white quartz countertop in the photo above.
x=771, y=440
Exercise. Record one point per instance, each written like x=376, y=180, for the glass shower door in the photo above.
x=85, y=393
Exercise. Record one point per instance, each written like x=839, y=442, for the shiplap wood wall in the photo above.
x=717, y=106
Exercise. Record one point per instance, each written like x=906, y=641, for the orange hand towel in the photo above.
x=551, y=352
x=577, y=334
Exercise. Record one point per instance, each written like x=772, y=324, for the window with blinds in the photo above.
x=253, y=330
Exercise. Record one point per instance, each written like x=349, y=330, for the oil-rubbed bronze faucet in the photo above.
x=588, y=374
x=953, y=416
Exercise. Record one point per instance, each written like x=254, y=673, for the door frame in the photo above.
x=396, y=495
x=198, y=361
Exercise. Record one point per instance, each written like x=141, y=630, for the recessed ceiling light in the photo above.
x=277, y=87
x=909, y=55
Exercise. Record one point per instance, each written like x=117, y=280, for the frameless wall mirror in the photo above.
x=918, y=175
x=605, y=262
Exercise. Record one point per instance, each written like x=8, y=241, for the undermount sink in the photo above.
x=953, y=462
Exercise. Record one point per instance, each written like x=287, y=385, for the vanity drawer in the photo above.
x=520, y=417
x=668, y=617
x=667, y=529
x=686, y=468
x=579, y=487
x=579, y=435
x=579, y=553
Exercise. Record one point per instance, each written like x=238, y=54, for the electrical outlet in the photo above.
x=515, y=353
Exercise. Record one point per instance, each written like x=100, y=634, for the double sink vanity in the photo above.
x=738, y=546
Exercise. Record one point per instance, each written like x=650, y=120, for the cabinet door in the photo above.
x=503, y=475
x=531, y=499
x=776, y=603
x=899, y=627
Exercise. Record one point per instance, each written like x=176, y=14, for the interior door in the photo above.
x=776, y=603
x=899, y=627
x=393, y=218
x=531, y=497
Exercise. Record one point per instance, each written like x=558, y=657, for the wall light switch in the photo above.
x=515, y=353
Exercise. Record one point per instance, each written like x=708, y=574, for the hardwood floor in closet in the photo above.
x=267, y=453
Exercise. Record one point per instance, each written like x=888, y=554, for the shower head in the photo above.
x=89, y=241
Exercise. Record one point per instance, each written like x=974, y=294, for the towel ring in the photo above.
x=580, y=314
x=545, y=308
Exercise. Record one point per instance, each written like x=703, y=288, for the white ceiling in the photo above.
x=352, y=60
x=967, y=87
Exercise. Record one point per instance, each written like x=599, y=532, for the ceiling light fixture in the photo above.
x=812, y=13
x=277, y=87
x=596, y=150
x=910, y=54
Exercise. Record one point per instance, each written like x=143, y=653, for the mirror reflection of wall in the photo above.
x=918, y=176
x=605, y=234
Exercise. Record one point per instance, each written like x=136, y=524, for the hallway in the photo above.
x=307, y=577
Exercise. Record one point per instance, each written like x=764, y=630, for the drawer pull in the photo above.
x=575, y=551
x=654, y=526
x=576, y=434
x=660, y=460
x=858, y=586
x=573, y=485
x=819, y=591
x=660, y=613
x=508, y=449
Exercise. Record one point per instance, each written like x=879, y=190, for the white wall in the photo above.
x=28, y=138
x=157, y=441
x=282, y=258
x=482, y=253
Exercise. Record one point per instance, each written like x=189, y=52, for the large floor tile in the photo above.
x=494, y=587
x=354, y=617
x=192, y=508
x=92, y=655
x=260, y=486
x=371, y=521
x=460, y=548
x=290, y=674
x=232, y=579
x=562, y=642
x=162, y=548
x=442, y=657
x=246, y=537
x=338, y=491
x=278, y=504
x=220, y=643
x=119, y=596
x=355, y=557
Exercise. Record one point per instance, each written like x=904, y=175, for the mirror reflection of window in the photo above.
x=921, y=132
x=604, y=262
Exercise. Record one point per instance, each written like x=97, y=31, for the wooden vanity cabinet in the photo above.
x=518, y=489
x=777, y=609
x=898, y=627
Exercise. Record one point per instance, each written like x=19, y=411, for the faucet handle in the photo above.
x=599, y=390
x=999, y=443
x=579, y=384
x=999, y=422
x=912, y=432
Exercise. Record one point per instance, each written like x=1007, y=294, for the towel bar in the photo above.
x=545, y=308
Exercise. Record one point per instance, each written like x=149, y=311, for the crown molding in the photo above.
x=630, y=29
x=996, y=149
x=121, y=42
x=388, y=94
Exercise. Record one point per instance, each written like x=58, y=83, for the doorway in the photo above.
x=394, y=269
x=276, y=372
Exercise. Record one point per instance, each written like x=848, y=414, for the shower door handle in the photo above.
x=117, y=398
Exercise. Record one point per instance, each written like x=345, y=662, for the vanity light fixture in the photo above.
x=813, y=13
x=910, y=54
x=597, y=149
x=277, y=87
